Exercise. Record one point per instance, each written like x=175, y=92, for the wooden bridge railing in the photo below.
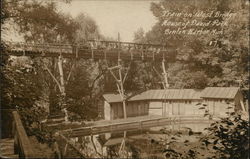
x=94, y=50
x=22, y=145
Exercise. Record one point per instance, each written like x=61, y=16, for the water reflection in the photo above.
x=136, y=145
x=146, y=143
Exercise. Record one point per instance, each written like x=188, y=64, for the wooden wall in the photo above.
x=216, y=107
x=133, y=109
x=155, y=108
x=219, y=107
x=237, y=101
x=101, y=108
x=174, y=107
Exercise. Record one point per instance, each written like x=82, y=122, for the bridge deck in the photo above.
x=123, y=50
x=97, y=54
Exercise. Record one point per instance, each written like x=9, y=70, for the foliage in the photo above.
x=84, y=86
x=39, y=21
x=25, y=82
x=25, y=91
x=219, y=59
x=5, y=83
x=5, y=98
x=84, y=89
x=139, y=36
x=229, y=137
x=140, y=77
x=44, y=136
x=87, y=29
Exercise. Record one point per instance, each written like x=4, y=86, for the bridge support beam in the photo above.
x=62, y=88
x=60, y=81
x=60, y=67
x=165, y=75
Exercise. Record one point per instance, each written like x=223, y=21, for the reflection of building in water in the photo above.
x=90, y=146
x=217, y=101
x=137, y=144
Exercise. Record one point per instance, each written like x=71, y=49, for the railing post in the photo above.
x=16, y=144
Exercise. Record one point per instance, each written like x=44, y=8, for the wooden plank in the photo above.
x=26, y=150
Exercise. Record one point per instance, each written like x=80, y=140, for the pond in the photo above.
x=146, y=143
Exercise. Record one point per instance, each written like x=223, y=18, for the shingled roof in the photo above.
x=220, y=92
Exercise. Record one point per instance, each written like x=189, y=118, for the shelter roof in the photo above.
x=174, y=94
x=220, y=92
x=112, y=98
x=178, y=94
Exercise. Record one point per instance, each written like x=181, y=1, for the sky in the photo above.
x=113, y=16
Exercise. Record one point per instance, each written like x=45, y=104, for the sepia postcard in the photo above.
x=158, y=79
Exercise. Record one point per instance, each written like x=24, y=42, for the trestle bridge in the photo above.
x=20, y=146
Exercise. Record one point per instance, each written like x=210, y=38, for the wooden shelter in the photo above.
x=170, y=101
x=113, y=107
x=221, y=100
x=218, y=101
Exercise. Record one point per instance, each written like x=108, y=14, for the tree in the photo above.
x=84, y=85
x=139, y=36
x=24, y=83
x=87, y=30
x=83, y=90
x=221, y=58
x=39, y=20
x=142, y=76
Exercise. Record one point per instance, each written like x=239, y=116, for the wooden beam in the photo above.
x=242, y=106
x=53, y=77
x=165, y=75
x=60, y=67
x=25, y=149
